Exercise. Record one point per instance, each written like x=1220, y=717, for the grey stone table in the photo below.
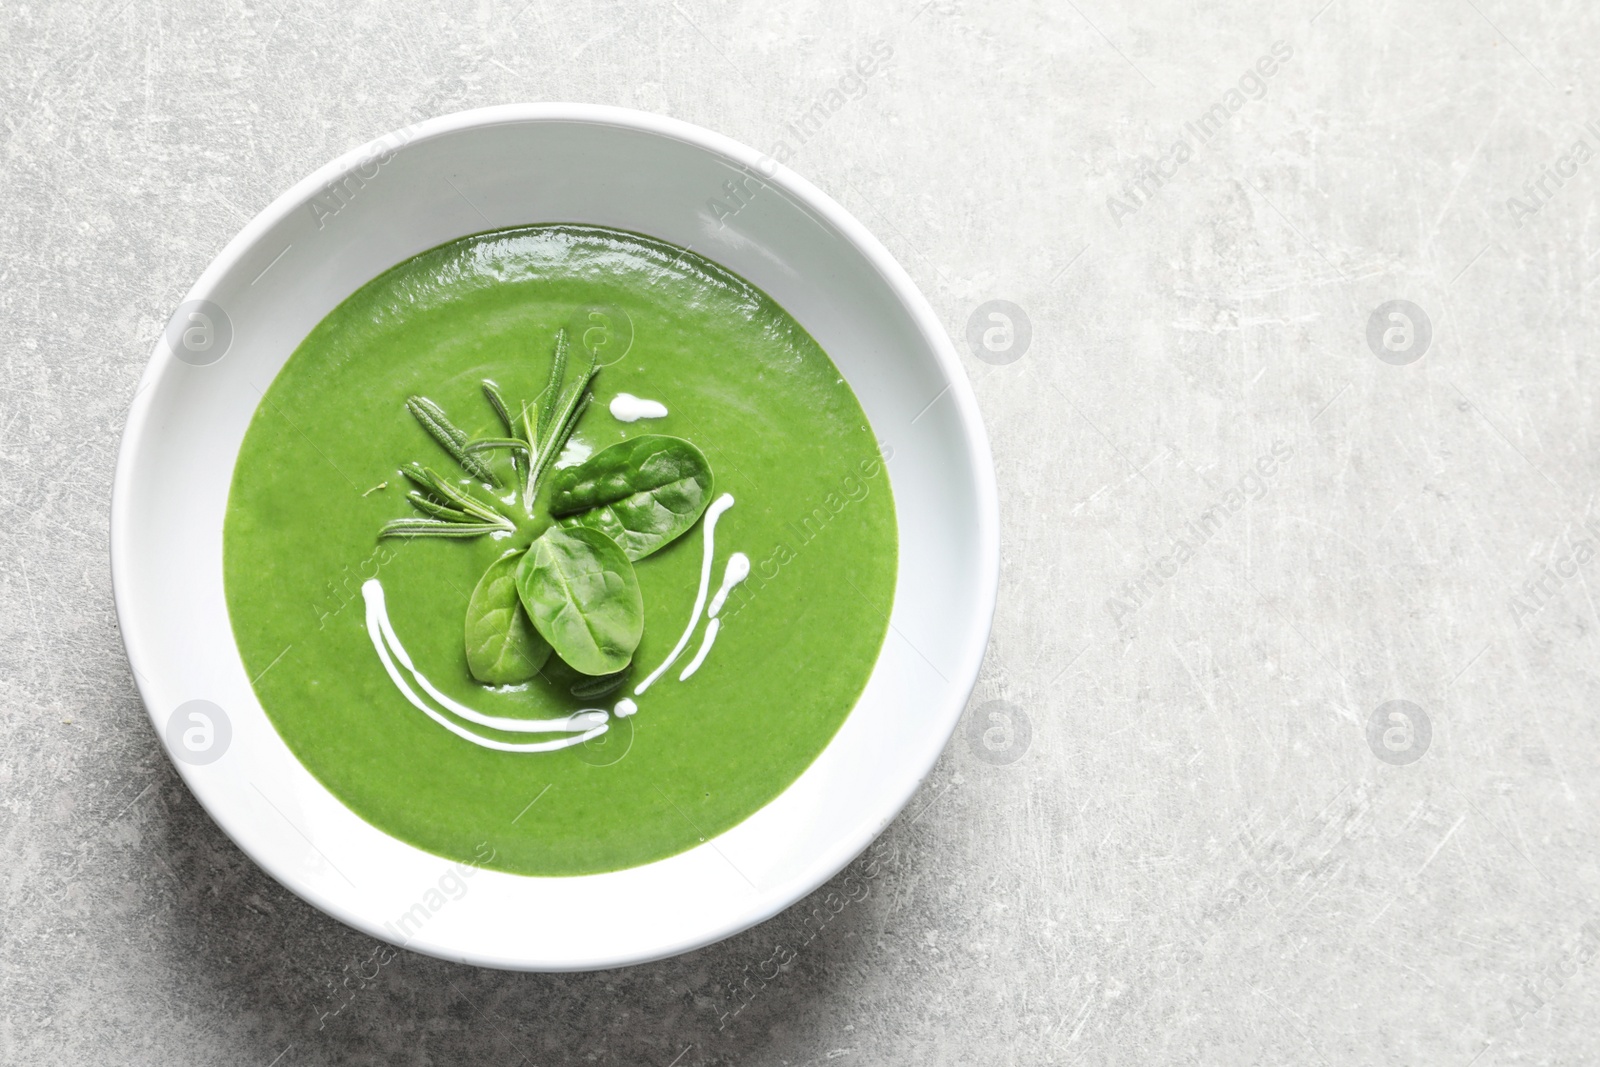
x=1284, y=751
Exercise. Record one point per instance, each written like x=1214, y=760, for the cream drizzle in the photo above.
x=624, y=708
x=625, y=407
x=737, y=570
x=384, y=640
x=721, y=504
x=705, y=647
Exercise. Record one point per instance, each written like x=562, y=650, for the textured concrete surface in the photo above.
x=1186, y=826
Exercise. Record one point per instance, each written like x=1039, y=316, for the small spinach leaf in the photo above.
x=642, y=493
x=583, y=596
x=503, y=648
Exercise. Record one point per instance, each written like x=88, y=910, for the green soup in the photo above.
x=319, y=475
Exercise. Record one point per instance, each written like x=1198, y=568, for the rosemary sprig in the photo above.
x=451, y=437
x=535, y=438
x=558, y=441
x=531, y=435
x=453, y=496
x=488, y=444
x=434, y=528
x=558, y=375
x=429, y=506
x=565, y=421
x=498, y=402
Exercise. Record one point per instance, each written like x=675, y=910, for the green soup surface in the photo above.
x=318, y=476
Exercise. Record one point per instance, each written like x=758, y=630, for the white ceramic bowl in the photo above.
x=507, y=166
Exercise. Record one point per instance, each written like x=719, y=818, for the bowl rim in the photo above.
x=965, y=670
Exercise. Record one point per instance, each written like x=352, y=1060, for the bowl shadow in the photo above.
x=317, y=991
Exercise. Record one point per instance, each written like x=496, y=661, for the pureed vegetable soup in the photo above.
x=558, y=550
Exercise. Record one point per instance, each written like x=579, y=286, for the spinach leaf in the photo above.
x=641, y=493
x=583, y=596
x=503, y=648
